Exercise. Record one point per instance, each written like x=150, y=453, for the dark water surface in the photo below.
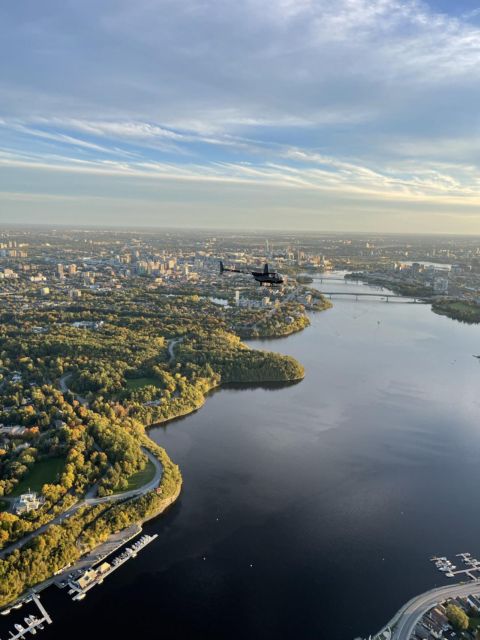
x=310, y=511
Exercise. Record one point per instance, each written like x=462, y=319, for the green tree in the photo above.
x=457, y=617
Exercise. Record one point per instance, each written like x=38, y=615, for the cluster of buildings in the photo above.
x=13, y=430
x=457, y=281
x=76, y=262
x=12, y=250
x=437, y=277
x=6, y=274
x=88, y=324
x=103, y=263
x=435, y=623
x=442, y=280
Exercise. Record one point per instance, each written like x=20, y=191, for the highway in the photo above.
x=91, y=501
x=405, y=620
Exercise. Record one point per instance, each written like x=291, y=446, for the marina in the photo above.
x=32, y=623
x=79, y=581
x=97, y=555
x=82, y=581
x=470, y=566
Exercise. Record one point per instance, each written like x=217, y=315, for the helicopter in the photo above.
x=262, y=277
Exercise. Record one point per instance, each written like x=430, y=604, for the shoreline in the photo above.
x=162, y=456
x=97, y=551
x=170, y=482
x=171, y=472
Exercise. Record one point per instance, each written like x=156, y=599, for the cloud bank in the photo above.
x=351, y=108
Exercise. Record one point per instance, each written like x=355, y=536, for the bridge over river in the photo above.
x=383, y=296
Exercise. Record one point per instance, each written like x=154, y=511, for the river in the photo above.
x=310, y=511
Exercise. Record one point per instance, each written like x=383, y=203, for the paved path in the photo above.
x=62, y=383
x=90, y=501
x=171, y=348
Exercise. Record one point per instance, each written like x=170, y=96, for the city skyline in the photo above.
x=291, y=115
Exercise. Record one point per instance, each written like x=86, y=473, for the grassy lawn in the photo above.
x=42, y=472
x=138, y=383
x=140, y=478
x=466, y=309
x=465, y=306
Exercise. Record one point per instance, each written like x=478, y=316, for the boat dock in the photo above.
x=470, y=568
x=97, y=555
x=88, y=578
x=32, y=623
x=91, y=570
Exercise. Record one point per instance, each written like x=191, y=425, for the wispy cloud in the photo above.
x=372, y=98
x=294, y=169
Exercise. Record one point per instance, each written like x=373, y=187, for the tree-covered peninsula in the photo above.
x=80, y=383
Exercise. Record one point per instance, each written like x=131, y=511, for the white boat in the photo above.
x=31, y=620
x=449, y=575
x=80, y=596
x=5, y=612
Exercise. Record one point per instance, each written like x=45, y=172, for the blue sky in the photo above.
x=303, y=114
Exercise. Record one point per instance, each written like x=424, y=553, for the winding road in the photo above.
x=91, y=501
x=171, y=348
x=62, y=383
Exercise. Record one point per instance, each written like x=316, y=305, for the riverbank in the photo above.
x=275, y=329
x=319, y=301
x=92, y=524
x=371, y=440
x=200, y=361
x=462, y=310
x=86, y=531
